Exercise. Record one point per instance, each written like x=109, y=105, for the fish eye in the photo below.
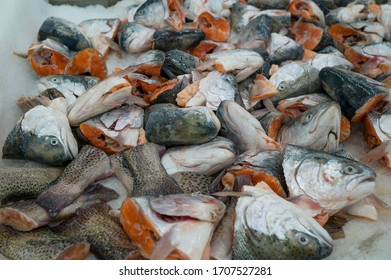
x=303, y=239
x=54, y=141
x=349, y=170
x=281, y=87
x=54, y=80
x=307, y=118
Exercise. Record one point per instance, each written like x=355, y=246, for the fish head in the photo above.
x=43, y=135
x=151, y=12
x=288, y=80
x=331, y=181
x=318, y=127
x=283, y=232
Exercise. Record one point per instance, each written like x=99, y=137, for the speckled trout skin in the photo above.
x=89, y=166
x=94, y=225
x=25, y=183
x=140, y=170
x=269, y=227
x=40, y=244
x=26, y=215
x=191, y=182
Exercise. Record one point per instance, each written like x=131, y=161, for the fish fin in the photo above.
x=322, y=218
x=205, y=65
x=244, y=74
x=163, y=247
x=22, y=55
x=378, y=152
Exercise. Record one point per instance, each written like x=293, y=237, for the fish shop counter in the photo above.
x=363, y=239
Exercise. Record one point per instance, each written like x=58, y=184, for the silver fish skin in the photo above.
x=90, y=165
x=331, y=181
x=295, y=79
x=71, y=86
x=135, y=38
x=40, y=244
x=206, y=159
x=381, y=123
x=152, y=13
x=318, y=128
x=250, y=136
x=270, y=227
x=43, y=134
x=25, y=183
x=65, y=32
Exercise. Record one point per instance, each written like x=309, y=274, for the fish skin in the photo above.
x=317, y=128
x=94, y=225
x=26, y=215
x=152, y=13
x=141, y=167
x=177, y=63
x=89, y=166
x=269, y=4
x=24, y=183
x=269, y=227
x=166, y=124
x=246, y=138
x=283, y=48
x=191, y=182
x=333, y=182
x=257, y=33
x=207, y=158
x=166, y=40
x=241, y=14
x=71, y=86
x=65, y=32
x=352, y=91
x=43, y=134
x=134, y=37
x=40, y=244
x=294, y=79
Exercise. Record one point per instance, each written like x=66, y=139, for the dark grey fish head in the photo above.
x=77, y=84
x=177, y=63
x=44, y=149
x=65, y=32
x=166, y=40
x=256, y=34
x=269, y=4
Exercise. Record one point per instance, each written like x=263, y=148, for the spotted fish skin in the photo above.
x=94, y=225
x=40, y=244
x=191, y=182
x=141, y=168
x=89, y=166
x=25, y=183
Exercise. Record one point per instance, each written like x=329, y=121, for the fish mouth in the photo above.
x=367, y=182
